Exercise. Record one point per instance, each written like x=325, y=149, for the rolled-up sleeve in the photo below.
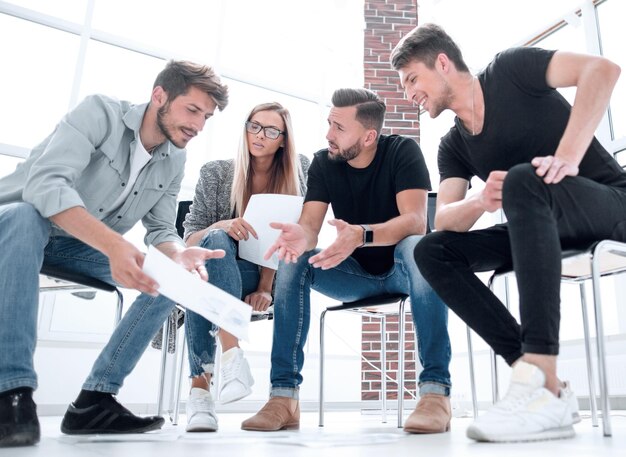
x=50, y=184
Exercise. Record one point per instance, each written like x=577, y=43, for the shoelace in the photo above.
x=516, y=396
x=204, y=403
x=230, y=370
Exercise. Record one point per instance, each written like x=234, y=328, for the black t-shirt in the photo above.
x=368, y=195
x=524, y=118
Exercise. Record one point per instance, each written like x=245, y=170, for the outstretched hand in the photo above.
x=290, y=244
x=193, y=259
x=349, y=237
x=126, y=262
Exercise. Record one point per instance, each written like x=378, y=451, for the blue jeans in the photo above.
x=23, y=253
x=237, y=277
x=348, y=282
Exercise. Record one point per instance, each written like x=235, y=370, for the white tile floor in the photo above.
x=346, y=434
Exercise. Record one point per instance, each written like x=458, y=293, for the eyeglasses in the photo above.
x=270, y=132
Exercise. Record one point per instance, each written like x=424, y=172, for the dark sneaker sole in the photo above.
x=93, y=431
x=28, y=436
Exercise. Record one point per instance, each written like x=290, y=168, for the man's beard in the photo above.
x=345, y=155
x=161, y=114
x=443, y=103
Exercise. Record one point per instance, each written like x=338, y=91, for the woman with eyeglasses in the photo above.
x=265, y=163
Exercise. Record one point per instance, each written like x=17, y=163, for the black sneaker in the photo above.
x=19, y=425
x=107, y=416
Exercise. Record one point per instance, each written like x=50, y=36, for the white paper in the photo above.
x=190, y=291
x=261, y=210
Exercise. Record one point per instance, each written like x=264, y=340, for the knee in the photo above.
x=425, y=247
x=428, y=249
x=25, y=220
x=288, y=274
x=405, y=249
x=218, y=239
x=520, y=183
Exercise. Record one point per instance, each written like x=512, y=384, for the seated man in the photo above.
x=377, y=186
x=107, y=165
x=556, y=184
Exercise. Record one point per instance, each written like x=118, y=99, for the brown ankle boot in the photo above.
x=279, y=413
x=432, y=415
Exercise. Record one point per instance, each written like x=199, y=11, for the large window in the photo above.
x=56, y=53
x=35, y=81
x=610, y=19
x=264, y=51
x=562, y=25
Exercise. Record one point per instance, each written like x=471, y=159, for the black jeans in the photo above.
x=542, y=220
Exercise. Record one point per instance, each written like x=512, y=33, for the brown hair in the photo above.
x=179, y=75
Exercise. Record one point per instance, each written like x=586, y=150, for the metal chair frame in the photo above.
x=369, y=307
x=70, y=281
x=579, y=266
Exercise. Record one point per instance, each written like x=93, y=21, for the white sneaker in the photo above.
x=567, y=394
x=200, y=409
x=528, y=412
x=236, y=379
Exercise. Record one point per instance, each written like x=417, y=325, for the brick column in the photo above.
x=386, y=22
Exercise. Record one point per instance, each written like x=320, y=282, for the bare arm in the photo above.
x=457, y=212
x=594, y=78
x=411, y=221
x=237, y=228
x=125, y=259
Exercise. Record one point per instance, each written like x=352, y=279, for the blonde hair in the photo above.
x=285, y=171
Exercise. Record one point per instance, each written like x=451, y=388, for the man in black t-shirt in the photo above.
x=377, y=186
x=556, y=184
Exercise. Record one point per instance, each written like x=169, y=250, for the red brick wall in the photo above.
x=371, y=366
x=386, y=22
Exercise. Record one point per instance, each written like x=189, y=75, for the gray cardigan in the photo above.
x=211, y=202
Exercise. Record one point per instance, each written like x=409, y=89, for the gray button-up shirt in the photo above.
x=86, y=162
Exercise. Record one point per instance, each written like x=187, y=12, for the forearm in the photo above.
x=170, y=249
x=266, y=280
x=589, y=106
x=394, y=230
x=80, y=224
x=195, y=238
x=459, y=216
x=311, y=236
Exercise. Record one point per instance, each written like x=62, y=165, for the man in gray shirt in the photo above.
x=107, y=165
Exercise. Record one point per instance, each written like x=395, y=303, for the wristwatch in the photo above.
x=368, y=235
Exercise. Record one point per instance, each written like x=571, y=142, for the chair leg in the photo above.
x=495, y=386
x=165, y=338
x=590, y=377
x=597, y=303
x=120, y=306
x=383, y=366
x=182, y=341
x=401, y=324
x=470, y=353
x=321, y=402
